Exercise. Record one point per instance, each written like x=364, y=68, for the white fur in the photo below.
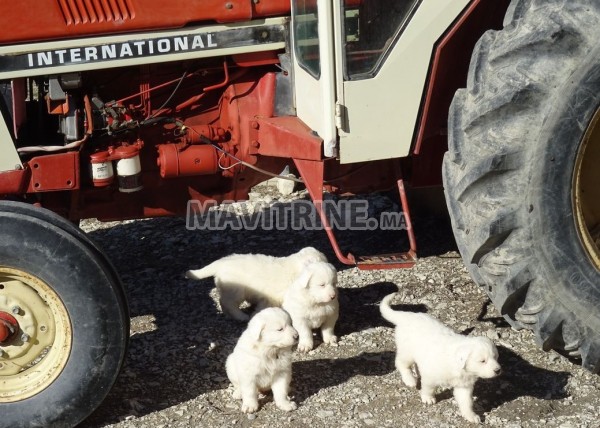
x=443, y=358
x=262, y=360
x=256, y=278
x=312, y=302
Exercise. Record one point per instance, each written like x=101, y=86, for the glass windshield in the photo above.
x=306, y=35
x=371, y=27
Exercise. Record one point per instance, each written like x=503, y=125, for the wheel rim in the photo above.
x=587, y=192
x=35, y=355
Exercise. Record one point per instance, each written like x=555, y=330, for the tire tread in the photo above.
x=509, y=89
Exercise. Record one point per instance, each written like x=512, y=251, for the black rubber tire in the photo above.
x=64, y=224
x=514, y=133
x=96, y=307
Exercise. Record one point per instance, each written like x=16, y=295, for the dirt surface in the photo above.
x=174, y=375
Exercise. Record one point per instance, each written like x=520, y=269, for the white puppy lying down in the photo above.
x=262, y=360
x=442, y=357
x=312, y=302
x=256, y=278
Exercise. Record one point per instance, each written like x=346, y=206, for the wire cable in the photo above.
x=170, y=96
x=207, y=141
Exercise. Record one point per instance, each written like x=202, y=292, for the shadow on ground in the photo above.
x=519, y=378
x=173, y=359
x=312, y=376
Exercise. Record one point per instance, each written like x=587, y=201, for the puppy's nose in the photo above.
x=498, y=370
x=295, y=336
x=332, y=296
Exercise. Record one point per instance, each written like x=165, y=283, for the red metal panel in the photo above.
x=14, y=182
x=451, y=62
x=59, y=19
x=54, y=172
x=92, y=11
x=288, y=137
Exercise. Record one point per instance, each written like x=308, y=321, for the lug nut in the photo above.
x=24, y=338
x=16, y=310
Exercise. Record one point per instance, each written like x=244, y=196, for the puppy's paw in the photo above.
x=331, y=340
x=287, y=406
x=305, y=346
x=472, y=417
x=409, y=381
x=428, y=399
x=250, y=407
x=408, y=378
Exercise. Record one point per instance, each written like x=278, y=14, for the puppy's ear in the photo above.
x=255, y=330
x=462, y=356
x=304, y=278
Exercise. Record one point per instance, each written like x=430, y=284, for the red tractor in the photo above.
x=120, y=109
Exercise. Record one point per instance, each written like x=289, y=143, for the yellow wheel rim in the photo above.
x=587, y=191
x=36, y=356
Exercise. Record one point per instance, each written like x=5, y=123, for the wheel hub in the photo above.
x=9, y=327
x=586, y=192
x=35, y=337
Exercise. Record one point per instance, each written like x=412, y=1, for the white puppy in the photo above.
x=312, y=302
x=256, y=278
x=442, y=357
x=262, y=360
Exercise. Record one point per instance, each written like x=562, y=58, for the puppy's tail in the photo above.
x=205, y=272
x=395, y=317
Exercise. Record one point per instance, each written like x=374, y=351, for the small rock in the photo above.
x=325, y=413
x=492, y=334
x=286, y=187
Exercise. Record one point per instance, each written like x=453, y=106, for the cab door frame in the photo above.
x=315, y=92
x=373, y=116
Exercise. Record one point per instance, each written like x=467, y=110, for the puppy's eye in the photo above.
x=280, y=329
x=483, y=361
x=322, y=285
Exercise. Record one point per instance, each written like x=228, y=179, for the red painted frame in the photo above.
x=60, y=19
x=448, y=72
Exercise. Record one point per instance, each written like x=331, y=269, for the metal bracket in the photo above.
x=313, y=172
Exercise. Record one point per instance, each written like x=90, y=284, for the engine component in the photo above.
x=177, y=160
x=129, y=169
x=61, y=103
x=101, y=169
x=69, y=124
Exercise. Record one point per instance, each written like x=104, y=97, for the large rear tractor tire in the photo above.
x=65, y=323
x=522, y=173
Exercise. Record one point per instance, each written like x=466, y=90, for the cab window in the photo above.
x=371, y=28
x=306, y=35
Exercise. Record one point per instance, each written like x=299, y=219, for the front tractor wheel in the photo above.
x=522, y=172
x=63, y=321
x=35, y=333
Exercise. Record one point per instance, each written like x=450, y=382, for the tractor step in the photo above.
x=387, y=261
x=312, y=174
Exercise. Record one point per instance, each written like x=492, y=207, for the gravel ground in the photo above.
x=174, y=374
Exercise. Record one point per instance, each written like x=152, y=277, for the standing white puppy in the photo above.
x=255, y=278
x=442, y=357
x=262, y=360
x=312, y=302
